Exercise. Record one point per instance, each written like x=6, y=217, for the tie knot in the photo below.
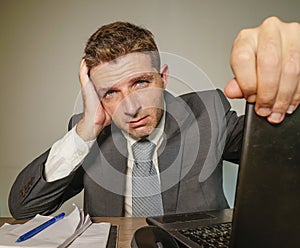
x=143, y=150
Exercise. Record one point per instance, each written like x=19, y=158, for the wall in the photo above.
x=42, y=41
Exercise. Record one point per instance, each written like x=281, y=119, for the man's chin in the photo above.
x=139, y=133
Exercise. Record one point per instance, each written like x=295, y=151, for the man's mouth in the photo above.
x=139, y=122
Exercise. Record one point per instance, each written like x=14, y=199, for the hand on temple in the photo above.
x=95, y=118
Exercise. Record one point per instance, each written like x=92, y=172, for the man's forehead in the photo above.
x=124, y=68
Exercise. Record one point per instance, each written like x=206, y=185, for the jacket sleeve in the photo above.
x=31, y=194
x=234, y=132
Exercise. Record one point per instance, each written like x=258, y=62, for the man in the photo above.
x=127, y=111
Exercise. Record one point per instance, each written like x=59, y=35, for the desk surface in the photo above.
x=127, y=226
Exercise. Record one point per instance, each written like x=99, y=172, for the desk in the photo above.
x=127, y=226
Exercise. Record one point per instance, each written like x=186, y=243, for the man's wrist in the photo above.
x=80, y=141
x=86, y=131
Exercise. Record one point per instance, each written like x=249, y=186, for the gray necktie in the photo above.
x=146, y=196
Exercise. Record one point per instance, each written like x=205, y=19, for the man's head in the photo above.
x=124, y=66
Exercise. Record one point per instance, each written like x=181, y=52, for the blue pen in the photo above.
x=40, y=228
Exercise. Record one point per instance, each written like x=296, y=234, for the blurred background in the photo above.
x=41, y=44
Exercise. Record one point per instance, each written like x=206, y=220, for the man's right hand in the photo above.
x=95, y=118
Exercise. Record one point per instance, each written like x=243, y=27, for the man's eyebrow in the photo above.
x=102, y=91
x=147, y=76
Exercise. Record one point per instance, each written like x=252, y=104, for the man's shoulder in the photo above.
x=205, y=98
x=202, y=103
x=202, y=95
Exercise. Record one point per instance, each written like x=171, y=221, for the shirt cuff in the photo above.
x=66, y=155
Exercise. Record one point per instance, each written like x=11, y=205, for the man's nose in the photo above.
x=131, y=105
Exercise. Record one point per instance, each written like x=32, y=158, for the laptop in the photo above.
x=267, y=203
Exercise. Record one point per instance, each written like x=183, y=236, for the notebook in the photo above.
x=267, y=204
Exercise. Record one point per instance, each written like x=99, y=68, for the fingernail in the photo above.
x=264, y=111
x=290, y=109
x=275, y=117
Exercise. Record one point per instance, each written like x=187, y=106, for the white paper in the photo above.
x=55, y=235
x=95, y=236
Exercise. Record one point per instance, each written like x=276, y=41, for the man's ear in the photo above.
x=164, y=72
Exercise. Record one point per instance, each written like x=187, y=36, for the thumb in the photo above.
x=233, y=90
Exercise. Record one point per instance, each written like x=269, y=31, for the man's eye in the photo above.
x=142, y=83
x=109, y=94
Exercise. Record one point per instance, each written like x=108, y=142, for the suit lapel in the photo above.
x=106, y=166
x=170, y=152
x=116, y=158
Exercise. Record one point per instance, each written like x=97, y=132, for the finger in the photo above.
x=269, y=57
x=83, y=73
x=243, y=61
x=90, y=100
x=292, y=108
x=101, y=116
x=287, y=89
x=296, y=100
x=291, y=62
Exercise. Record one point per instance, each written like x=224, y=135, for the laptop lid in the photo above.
x=267, y=204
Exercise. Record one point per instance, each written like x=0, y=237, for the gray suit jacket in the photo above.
x=200, y=131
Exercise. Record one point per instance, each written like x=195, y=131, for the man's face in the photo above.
x=131, y=92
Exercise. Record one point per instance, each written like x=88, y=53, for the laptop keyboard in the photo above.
x=210, y=236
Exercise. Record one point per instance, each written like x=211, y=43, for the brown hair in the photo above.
x=117, y=39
